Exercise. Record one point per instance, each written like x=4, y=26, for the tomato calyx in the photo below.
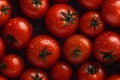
x=37, y=3
x=77, y=52
x=95, y=22
x=36, y=77
x=11, y=39
x=4, y=10
x=108, y=56
x=68, y=17
x=2, y=65
x=44, y=54
x=92, y=69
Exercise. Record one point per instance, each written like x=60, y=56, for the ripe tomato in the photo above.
x=61, y=20
x=2, y=47
x=43, y=51
x=77, y=49
x=91, y=23
x=114, y=77
x=111, y=12
x=5, y=11
x=61, y=1
x=3, y=78
x=34, y=74
x=61, y=71
x=91, y=4
x=107, y=47
x=34, y=8
x=91, y=71
x=17, y=33
x=11, y=65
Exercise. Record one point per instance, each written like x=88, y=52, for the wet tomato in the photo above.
x=17, y=33
x=61, y=71
x=107, y=47
x=33, y=74
x=77, y=49
x=61, y=20
x=43, y=51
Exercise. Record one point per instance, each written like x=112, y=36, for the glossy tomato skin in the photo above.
x=43, y=51
x=60, y=22
x=5, y=11
x=30, y=73
x=107, y=47
x=2, y=47
x=110, y=12
x=61, y=1
x=17, y=32
x=91, y=23
x=91, y=4
x=114, y=77
x=11, y=65
x=32, y=10
x=61, y=71
x=77, y=49
x=3, y=78
x=85, y=71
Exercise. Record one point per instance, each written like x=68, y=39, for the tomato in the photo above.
x=91, y=71
x=107, y=47
x=5, y=11
x=34, y=8
x=61, y=71
x=91, y=4
x=77, y=49
x=43, y=51
x=114, y=77
x=2, y=47
x=61, y=20
x=91, y=23
x=61, y=1
x=33, y=74
x=11, y=65
x=111, y=12
x=2, y=77
x=17, y=33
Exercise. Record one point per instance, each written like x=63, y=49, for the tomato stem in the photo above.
x=108, y=56
x=2, y=65
x=4, y=10
x=11, y=39
x=37, y=3
x=44, y=54
x=36, y=77
x=92, y=69
x=68, y=17
x=95, y=22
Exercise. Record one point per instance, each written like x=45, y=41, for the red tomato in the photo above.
x=43, y=51
x=111, y=12
x=114, y=77
x=34, y=8
x=3, y=78
x=91, y=23
x=11, y=65
x=77, y=49
x=91, y=4
x=17, y=33
x=61, y=71
x=107, y=47
x=2, y=47
x=61, y=20
x=91, y=71
x=34, y=74
x=61, y=1
x=5, y=11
